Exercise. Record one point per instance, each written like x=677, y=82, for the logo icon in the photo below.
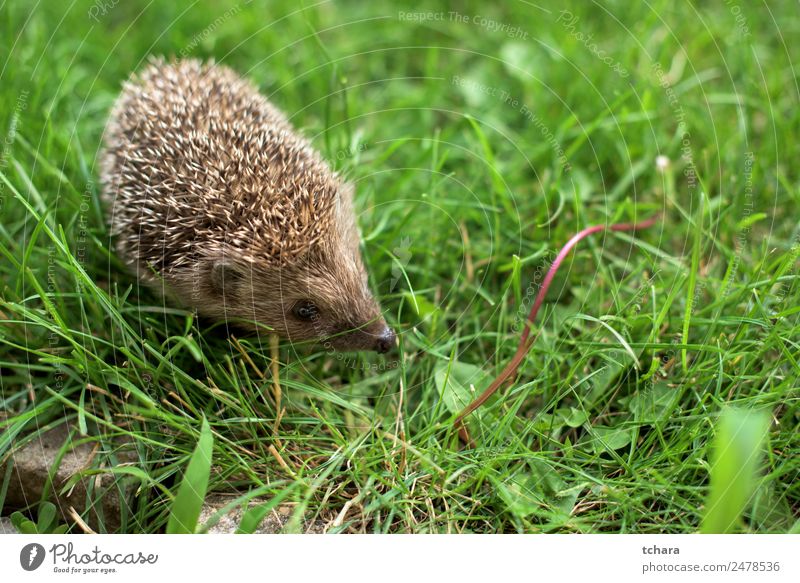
x=31, y=556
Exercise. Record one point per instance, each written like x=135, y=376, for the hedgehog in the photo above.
x=218, y=203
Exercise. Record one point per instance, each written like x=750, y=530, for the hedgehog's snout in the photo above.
x=386, y=340
x=375, y=336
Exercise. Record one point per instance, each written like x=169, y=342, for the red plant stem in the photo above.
x=525, y=341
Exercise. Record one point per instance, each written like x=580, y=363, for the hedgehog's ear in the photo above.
x=224, y=276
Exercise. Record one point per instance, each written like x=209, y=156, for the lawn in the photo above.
x=480, y=140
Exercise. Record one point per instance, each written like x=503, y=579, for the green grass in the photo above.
x=477, y=153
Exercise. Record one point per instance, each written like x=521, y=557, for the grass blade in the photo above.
x=189, y=500
x=252, y=518
x=736, y=456
x=693, y=273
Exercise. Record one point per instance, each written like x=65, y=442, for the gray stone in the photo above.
x=32, y=466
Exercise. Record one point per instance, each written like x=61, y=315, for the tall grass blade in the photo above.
x=189, y=500
x=736, y=454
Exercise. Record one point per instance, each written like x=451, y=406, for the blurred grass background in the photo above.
x=480, y=139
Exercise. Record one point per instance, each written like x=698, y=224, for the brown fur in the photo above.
x=218, y=201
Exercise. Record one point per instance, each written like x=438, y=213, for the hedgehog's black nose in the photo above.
x=385, y=341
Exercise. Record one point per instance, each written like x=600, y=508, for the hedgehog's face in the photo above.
x=332, y=303
x=324, y=296
x=321, y=300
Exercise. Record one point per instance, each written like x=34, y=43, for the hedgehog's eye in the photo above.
x=305, y=310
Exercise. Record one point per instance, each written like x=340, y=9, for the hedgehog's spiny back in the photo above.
x=198, y=163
